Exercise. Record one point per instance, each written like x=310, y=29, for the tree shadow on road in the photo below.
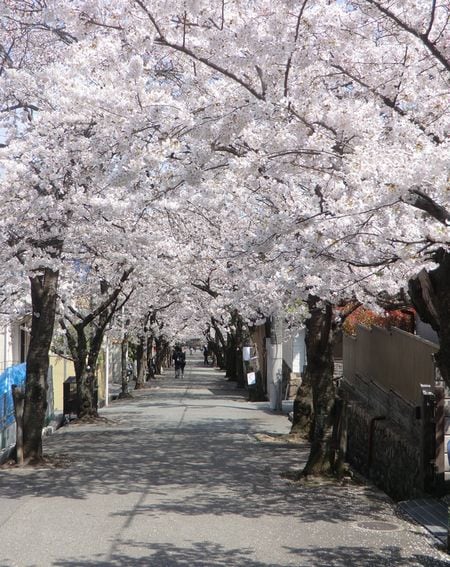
x=204, y=554
x=211, y=466
x=208, y=554
x=343, y=556
x=201, y=466
x=218, y=462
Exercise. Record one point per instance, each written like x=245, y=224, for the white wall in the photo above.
x=274, y=349
x=299, y=352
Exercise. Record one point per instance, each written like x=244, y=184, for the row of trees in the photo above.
x=202, y=159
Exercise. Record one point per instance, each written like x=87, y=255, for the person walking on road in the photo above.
x=183, y=364
x=205, y=355
x=179, y=360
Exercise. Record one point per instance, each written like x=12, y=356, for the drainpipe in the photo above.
x=371, y=435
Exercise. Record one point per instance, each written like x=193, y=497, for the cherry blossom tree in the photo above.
x=71, y=178
x=342, y=114
x=300, y=150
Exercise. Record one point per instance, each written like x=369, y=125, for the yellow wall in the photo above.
x=61, y=370
x=101, y=380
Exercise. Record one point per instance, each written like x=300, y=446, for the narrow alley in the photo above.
x=187, y=473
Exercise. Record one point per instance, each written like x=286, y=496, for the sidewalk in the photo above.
x=188, y=474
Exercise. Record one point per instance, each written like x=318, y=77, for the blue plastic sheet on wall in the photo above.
x=12, y=375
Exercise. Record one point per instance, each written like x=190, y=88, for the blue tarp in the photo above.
x=12, y=375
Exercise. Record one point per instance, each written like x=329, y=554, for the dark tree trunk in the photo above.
x=89, y=397
x=85, y=360
x=230, y=357
x=43, y=297
x=320, y=366
x=220, y=345
x=124, y=393
x=242, y=339
x=84, y=339
x=150, y=362
x=162, y=354
x=430, y=294
x=83, y=393
x=256, y=392
x=159, y=355
x=141, y=359
x=89, y=400
x=237, y=337
x=18, y=396
x=303, y=409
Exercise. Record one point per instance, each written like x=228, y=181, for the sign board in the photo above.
x=251, y=378
x=246, y=353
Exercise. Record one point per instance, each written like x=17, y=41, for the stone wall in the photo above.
x=384, y=439
x=380, y=450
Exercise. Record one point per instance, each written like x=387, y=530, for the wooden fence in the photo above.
x=394, y=359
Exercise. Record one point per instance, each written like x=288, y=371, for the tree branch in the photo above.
x=423, y=37
x=289, y=61
x=161, y=40
x=422, y=201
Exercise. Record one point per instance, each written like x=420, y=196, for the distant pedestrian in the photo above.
x=205, y=355
x=183, y=363
x=179, y=360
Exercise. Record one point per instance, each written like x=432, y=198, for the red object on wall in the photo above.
x=401, y=318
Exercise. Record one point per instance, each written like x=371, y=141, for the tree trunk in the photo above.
x=163, y=355
x=43, y=297
x=150, y=362
x=89, y=380
x=430, y=294
x=85, y=339
x=141, y=356
x=124, y=393
x=302, y=422
x=256, y=392
x=18, y=396
x=238, y=335
x=220, y=345
x=230, y=357
x=159, y=355
x=88, y=394
x=79, y=355
x=319, y=345
x=242, y=339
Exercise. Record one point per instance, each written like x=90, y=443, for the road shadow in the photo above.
x=207, y=465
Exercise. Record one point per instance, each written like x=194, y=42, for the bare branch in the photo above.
x=289, y=61
x=262, y=81
x=150, y=16
x=433, y=13
x=161, y=40
x=388, y=102
x=423, y=37
x=24, y=105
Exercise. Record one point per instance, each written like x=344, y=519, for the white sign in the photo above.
x=246, y=353
x=251, y=378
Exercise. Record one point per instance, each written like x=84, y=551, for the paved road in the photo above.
x=183, y=475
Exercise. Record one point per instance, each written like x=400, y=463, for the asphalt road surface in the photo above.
x=186, y=474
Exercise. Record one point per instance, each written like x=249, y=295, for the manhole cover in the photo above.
x=378, y=526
